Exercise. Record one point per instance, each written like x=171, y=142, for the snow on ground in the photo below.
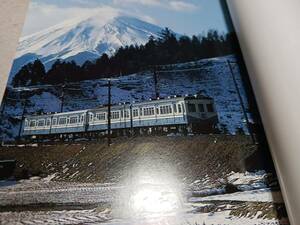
x=247, y=177
x=248, y=181
x=147, y=203
x=262, y=195
x=41, y=192
x=48, y=106
x=106, y=216
x=92, y=217
x=24, y=192
x=214, y=79
x=54, y=217
x=218, y=218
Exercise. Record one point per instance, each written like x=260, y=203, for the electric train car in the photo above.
x=173, y=114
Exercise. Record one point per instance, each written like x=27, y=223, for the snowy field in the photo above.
x=213, y=79
x=94, y=217
x=146, y=203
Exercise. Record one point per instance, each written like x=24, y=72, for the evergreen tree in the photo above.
x=30, y=74
x=38, y=72
x=22, y=78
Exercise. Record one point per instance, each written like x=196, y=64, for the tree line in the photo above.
x=166, y=49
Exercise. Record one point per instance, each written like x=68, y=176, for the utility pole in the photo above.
x=109, y=114
x=155, y=78
x=62, y=98
x=125, y=114
x=241, y=101
x=131, y=120
x=22, y=119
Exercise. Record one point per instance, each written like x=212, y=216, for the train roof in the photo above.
x=55, y=113
x=172, y=98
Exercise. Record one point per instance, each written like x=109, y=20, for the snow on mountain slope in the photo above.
x=84, y=38
x=214, y=80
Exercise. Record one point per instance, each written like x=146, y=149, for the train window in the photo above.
x=169, y=109
x=174, y=108
x=115, y=115
x=48, y=122
x=201, y=108
x=73, y=119
x=91, y=116
x=141, y=112
x=183, y=107
x=135, y=112
x=191, y=107
x=100, y=116
x=157, y=111
x=82, y=119
x=149, y=111
x=41, y=123
x=166, y=109
x=62, y=121
x=210, y=107
x=32, y=123
x=54, y=121
x=179, y=108
x=126, y=112
x=122, y=113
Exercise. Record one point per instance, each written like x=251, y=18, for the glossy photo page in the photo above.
x=133, y=112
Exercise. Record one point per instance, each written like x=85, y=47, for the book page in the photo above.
x=12, y=19
x=269, y=34
x=133, y=112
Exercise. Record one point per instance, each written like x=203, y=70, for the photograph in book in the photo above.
x=133, y=112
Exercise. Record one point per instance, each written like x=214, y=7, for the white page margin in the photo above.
x=12, y=16
x=269, y=34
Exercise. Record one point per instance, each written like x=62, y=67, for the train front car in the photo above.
x=191, y=114
x=159, y=116
x=201, y=114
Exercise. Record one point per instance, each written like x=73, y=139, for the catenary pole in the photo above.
x=62, y=98
x=155, y=78
x=131, y=121
x=109, y=114
x=241, y=101
x=22, y=119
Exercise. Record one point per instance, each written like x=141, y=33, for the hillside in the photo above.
x=186, y=158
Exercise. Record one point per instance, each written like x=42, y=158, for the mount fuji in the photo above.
x=81, y=39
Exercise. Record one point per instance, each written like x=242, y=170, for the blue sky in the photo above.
x=182, y=16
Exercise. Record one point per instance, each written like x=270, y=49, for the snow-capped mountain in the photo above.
x=84, y=38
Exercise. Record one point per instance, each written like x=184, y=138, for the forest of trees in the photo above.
x=167, y=49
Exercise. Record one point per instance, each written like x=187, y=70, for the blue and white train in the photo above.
x=169, y=115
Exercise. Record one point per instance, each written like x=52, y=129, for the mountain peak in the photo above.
x=83, y=38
